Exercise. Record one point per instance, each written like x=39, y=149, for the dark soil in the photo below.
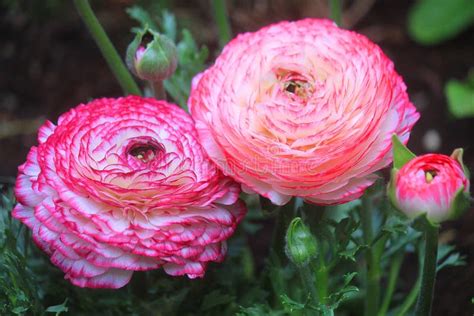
x=49, y=64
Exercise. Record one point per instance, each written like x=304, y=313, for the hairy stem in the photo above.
x=307, y=278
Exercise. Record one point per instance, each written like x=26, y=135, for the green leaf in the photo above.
x=343, y=293
x=433, y=21
x=401, y=154
x=143, y=17
x=448, y=257
x=350, y=253
x=20, y=310
x=169, y=25
x=460, y=203
x=259, y=310
x=344, y=230
x=292, y=305
x=58, y=309
x=460, y=98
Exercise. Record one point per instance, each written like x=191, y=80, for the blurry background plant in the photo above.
x=50, y=62
x=432, y=22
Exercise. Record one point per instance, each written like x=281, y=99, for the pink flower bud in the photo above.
x=433, y=184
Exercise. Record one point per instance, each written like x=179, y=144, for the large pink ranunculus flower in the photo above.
x=429, y=185
x=122, y=185
x=301, y=109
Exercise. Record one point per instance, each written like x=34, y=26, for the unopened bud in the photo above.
x=301, y=246
x=153, y=60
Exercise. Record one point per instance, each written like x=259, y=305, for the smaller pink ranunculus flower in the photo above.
x=430, y=184
x=123, y=185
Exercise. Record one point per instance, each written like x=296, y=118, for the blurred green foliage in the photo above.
x=31, y=285
x=38, y=10
x=433, y=21
x=460, y=96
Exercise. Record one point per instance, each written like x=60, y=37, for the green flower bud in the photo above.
x=301, y=246
x=155, y=60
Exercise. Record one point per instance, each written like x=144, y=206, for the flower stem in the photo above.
x=222, y=21
x=307, y=278
x=158, y=90
x=336, y=11
x=108, y=50
x=284, y=216
x=392, y=282
x=410, y=299
x=322, y=279
x=372, y=261
x=428, y=278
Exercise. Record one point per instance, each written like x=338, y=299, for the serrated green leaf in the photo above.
x=348, y=277
x=401, y=154
x=448, y=257
x=432, y=21
x=350, y=254
x=340, y=295
x=460, y=97
x=290, y=304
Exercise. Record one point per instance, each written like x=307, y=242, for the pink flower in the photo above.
x=429, y=184
x=301, y=109
x=122, y=185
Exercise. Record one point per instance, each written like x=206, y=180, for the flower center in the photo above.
x=430, y=175
x=295, y=83
x=143, y=152
x=298, y=87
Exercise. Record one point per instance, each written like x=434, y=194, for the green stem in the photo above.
x=410, y=299
x=222, y=21
x=158, y=90
x=307, y=278
x=322, y=270
x=336, y=11
x=283, y=217
x=392, y=282
x=425, y=299
x=372, y=261
x=322, y=279
x=108, y=50
x=277, y=250
x=322, y=287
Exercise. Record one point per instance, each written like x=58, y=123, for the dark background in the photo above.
x=49, y=63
